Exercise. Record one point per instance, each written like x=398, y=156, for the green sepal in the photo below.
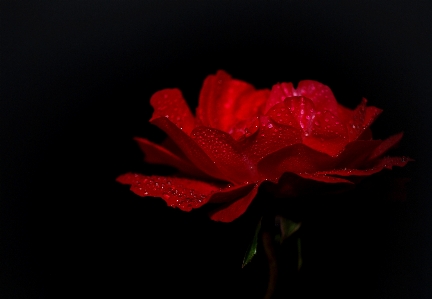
x=252, y=249
x=287, y=228
x=299, y=255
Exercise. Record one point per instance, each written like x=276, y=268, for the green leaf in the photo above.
x=252, y=249
x=287, y=228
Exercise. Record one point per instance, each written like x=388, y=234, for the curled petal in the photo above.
x=224, y=101
x=227, y=157
x=169, y=103
x=362, y=118
x=232, y=210
x=156, y=154
x=189, y=148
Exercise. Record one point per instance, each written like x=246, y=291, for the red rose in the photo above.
x=241, y=137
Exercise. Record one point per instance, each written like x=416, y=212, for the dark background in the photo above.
x=76, y=78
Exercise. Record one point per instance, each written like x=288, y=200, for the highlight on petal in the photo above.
x=156, y=154
x=303, y=110
x=232, y=210
x=223, y=101
x=169, y=103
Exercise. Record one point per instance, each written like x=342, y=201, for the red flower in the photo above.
x=241, y=137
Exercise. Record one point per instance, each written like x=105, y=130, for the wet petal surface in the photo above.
x=169, y=103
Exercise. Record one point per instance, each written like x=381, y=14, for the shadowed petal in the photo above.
x=386, y=145
x=235, y=209
x=223, y=151
x=157, y=154
x=189, y=147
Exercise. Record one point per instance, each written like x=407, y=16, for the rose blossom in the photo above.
x=242, y=137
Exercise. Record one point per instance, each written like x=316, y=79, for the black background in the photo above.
x=76, y=79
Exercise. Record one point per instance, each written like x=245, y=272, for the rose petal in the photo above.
x=230, y=193
x=231, y=211
x=169, y=103
x=386, y=145
x=189, y=147
x=224, y=101
x=270, y=138
x=278, y=94
x=300, y=159
x=156, y=154
x=185, y=194
x=227, y=157
x=329, y=135
x=297, y=158
x=362, y=118
x=323, y=177
x=320, y=94
x=303, y=110
x=387, y=162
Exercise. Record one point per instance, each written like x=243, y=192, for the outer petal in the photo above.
x=184, y=194
x=169, y=103
x=189, y=147
x=300, y=159
x=157, y=154
x=362, y=118
x=233, y=210
x=187, y=194
x=224, y=152
x=386, y=145
x=224, y=101
x=387, y=162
